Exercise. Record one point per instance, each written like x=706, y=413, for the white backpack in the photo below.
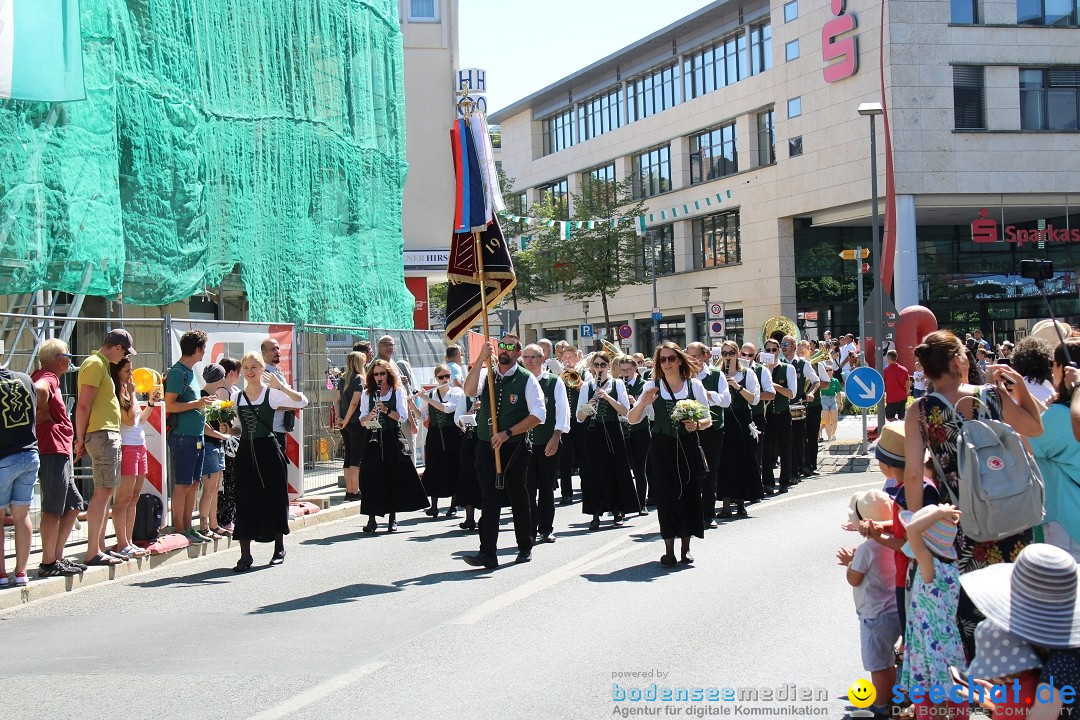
x=1001, y=488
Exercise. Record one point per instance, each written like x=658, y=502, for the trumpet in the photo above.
x=571, y=378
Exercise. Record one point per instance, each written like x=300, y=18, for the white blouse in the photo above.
x=612, y=384
x=453, y=398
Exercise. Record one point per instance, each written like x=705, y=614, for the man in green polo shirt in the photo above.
x=97, y=434
x=519, y=404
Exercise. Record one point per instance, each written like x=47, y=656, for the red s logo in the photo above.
x=832, y=48
x=984, y=229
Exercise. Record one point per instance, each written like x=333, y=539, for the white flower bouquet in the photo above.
x=689, y=411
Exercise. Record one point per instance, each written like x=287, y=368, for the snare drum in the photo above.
x=798, y=411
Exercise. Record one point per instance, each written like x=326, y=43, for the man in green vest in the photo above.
x=776, y=442
x=519, y=407
x=757, y=412
x=546, y=440
x=806, y=387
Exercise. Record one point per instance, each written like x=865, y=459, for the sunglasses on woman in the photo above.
x=379, y=374
x=728, y=353
x=442, y=377
x=664, y=359
x=600, y=365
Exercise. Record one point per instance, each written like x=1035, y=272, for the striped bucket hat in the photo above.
x=939, y=538
x=1034, y=598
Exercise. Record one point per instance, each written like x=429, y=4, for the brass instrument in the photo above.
x=612, y=348
x=775, y=328
x=571, y=378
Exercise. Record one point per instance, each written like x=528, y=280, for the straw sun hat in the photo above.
x=870, y=505
x=1034, y=598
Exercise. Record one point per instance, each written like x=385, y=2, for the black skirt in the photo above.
x=388, y=479
x=442, y=460
x=261, y=491
x=675, y=483
x=608, y=486
x=739, y=477
x=468, y=482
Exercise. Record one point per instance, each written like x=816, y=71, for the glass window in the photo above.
x=716, y=240
x=791, y=50
x=422, y=10
x=651, y=93
x=964, y=12
x=794, y=147
x=724, y=62
x=969, y=97
x=599, y=114
x=557, y=193
x=791, y=10
x=794, y=107
x=657, y=250
x=1050, y=98
x=765, y=139
x=558, y=132
x=760, y=48
x=601, y=179
x=1046, y=12
x=713, y=154
x=652, y=169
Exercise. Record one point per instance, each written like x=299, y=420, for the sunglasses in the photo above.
x=599, y=365
x=382, y=374
x=65, y=355
x=728, y=353
x=509, y=346
x=664, y=359
x=533, y=357
x=442, y=377
x=771, y=348
x=785, y=345
x=747, y=355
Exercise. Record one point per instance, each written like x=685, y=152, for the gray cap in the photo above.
x=122, y=338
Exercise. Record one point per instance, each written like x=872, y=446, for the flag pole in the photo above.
x=466, y=104
x=499, y=481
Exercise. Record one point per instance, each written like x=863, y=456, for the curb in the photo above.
x=42, y=588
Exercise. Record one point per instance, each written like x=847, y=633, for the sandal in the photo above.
x=102, y=560
x=134, y=551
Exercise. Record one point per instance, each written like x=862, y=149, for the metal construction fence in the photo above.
x=316, y=352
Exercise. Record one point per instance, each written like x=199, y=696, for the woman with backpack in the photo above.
x=934, y=424
x=1058, y=455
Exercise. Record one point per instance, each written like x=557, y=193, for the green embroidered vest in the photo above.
x=540, y=434
x=389, y=424
x=437, y=418
x=256, y=421
x=800, y=381
x=510, y=403
x=711, y=381
x=738, y=402
x=604, y=411
x=780, y=404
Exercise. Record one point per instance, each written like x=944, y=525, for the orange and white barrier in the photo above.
x=157, y=459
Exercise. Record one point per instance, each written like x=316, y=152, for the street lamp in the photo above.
x=706, y=293
x=873, y=109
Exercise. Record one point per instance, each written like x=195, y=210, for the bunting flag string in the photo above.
x=640, y=222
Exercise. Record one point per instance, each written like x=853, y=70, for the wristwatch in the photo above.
x=509, y=434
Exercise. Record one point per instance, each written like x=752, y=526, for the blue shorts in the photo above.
x=828, y=402
x=186, y=456
x=213, y=458
x=18, y=473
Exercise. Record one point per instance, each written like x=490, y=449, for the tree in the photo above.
x=597, y=261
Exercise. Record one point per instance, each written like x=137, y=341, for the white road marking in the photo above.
x=318, y=692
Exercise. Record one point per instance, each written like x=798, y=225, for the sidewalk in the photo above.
x=40, y=588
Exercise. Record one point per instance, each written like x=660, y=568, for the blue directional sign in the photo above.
x=864, y=387
x=586, y=331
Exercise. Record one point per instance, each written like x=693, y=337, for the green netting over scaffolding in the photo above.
x=266, y=134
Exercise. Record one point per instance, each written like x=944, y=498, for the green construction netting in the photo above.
x=266, y=134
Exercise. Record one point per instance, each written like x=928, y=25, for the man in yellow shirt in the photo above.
x=97, y=434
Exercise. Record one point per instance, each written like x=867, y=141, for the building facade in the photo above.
x=756, y=105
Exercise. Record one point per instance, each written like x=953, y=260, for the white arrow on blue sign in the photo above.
x=864, y=387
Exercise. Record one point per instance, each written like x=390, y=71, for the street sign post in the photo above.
x=861, y=253
x=625, y=332
x=864, y=388
x=714, y=319
x=508, y=319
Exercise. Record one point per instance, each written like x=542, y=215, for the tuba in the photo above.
x=775, y=328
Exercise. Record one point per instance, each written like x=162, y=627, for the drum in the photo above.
x=798, y=411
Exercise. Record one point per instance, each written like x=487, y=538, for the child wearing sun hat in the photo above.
x=870, y=572
x=932, y=637
x=1008, y=662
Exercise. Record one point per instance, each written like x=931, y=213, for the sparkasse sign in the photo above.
x=984, y=229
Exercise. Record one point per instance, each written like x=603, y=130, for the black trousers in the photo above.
x=570, y=454
x=813, y=437
x=638, y=444
x=712, y=442
x=760, y=423
x=798, y=447
x=515, y=465
x=777, y=443
x=542, y=482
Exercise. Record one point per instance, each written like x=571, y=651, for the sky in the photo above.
x=525, y=46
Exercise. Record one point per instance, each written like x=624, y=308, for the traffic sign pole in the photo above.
x=862, y=339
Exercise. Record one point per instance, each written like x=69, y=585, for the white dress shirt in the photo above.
x=453, y=399
x=752, y=385
x=401, y=400
x=615, y=384
x=718, y=398
x=765, y=375
x=693, y=385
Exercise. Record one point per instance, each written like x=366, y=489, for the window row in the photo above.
x=720, y=64
x=1049, y=98
x=1049, y=13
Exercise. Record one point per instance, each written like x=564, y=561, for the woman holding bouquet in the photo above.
x=608, y=486
x=262, y=493
x=680, y=409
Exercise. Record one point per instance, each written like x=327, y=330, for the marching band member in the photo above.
x=749, y=353
x=546, y=440
x=608, y=485
x=468, y=485
x=573, y=451
x=442, y=448
x=777, y=435
x=675, y=453
x=740, y=480
x=388, y=480
x=806, y=387
x=712, y=439
x=640, y=435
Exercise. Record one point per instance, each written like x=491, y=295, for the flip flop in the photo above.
x=102, y=560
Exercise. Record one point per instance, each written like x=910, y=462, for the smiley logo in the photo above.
x=861, y=694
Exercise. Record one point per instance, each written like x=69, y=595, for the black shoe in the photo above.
x=668, y=560
x=741, y=512
x=725, y=513
x=642, y=511
x=485, y=561
x=566, y=501
x=279, y=557
x=523, y=557
x=687, y=559
x=469, y=525
x=815, y=473
x=369, y=528
x=784, y=488
x=595, y=524
x=392, y=527
x=244, y=564
x=549, y=538
x=618, y=520
x=432, y=512
x=451, y=512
